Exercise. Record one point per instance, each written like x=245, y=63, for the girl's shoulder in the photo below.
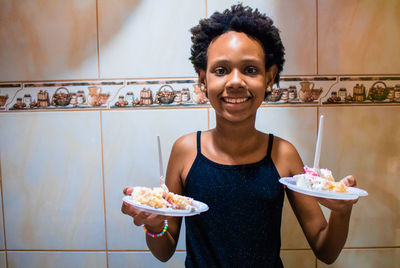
x=183, y=154
x=283, y=146
x=185, y=146
x=286, y=158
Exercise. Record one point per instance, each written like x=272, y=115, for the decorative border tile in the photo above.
x=364, y=90
x=155, y=93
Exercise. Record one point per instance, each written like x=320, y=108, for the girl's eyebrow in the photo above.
x=224, y=60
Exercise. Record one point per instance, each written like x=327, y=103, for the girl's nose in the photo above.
x=235, y=79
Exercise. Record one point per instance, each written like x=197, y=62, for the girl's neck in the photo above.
x=236, y=138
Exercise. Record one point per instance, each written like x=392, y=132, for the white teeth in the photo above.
x=235, y=100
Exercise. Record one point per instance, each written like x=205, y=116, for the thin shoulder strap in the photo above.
x=270, y=142
x=198, y=142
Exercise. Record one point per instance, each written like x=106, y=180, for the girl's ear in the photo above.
x=270, y=75
x=202, y=76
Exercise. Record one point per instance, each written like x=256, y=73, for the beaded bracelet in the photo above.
x=156, y=235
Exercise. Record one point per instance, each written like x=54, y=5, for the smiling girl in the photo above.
x=234, y=168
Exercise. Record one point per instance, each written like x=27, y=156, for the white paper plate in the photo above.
x=199, y=207
x=352, y=192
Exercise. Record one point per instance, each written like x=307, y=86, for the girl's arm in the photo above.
x=326, y=239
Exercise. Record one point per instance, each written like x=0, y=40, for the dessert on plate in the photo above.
x=159, y=198
x=319, y=179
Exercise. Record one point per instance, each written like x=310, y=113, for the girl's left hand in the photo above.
x=341, y=205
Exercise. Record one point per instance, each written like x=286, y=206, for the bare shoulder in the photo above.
x=185, y=144
x=181, y=159
x=286, y=158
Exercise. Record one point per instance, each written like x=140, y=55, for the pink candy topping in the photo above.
x=310, y=171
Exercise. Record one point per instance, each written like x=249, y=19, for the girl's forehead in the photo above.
x=233, y=41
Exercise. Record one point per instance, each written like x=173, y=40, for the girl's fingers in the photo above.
x=128, y=190
x=349, y=181
x=148, y=219
x=128, y=209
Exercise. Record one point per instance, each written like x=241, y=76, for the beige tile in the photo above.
x=3, y=259
x=144, y=260
x=363, y=141
x=56, y=259
x=2, y=245
x=48, y=40
x=298, y=258
x=296, y=20
x=52, y=180
x=358, y=37
x=366, y=258
x=131, y=159
x=147, y=38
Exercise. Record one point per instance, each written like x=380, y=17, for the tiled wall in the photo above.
x=63, y=168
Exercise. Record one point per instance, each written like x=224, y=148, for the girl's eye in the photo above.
x=220, y=71
x=251, y=70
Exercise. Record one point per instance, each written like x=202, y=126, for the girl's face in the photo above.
x=236, y=78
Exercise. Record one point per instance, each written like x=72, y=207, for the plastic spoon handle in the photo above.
x=160, y=163
x=319, y=141
x=162, y=178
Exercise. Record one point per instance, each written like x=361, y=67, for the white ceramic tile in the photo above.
x=358, y=37
x=298, y=258
x=364, y=141
x=144, y=260
x=2, y=259
x=2, y=244
x=131, y=158
x=299, y=126
x=48, y=40
x=152, y=41
x=56, y=259
x=296, y=21
x=366, y=258
x=52, y=180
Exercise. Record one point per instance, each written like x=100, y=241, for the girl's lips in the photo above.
x=236, y=100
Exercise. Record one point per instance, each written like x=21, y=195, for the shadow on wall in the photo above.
x=45, y=36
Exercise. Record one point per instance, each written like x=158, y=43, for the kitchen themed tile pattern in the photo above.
x=117, y=94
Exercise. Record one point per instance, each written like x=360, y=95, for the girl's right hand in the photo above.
x=153, y=222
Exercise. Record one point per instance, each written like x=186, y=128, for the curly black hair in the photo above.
x=239, y=19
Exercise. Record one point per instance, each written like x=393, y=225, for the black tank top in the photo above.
x=242, y=226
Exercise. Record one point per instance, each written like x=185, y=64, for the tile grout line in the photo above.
x=104, y=188
x=2, y=210
x=154, y=108
x=316, y=35
x=191, y=78
x=98, y=42
x=208, y=118
x=181, y=250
